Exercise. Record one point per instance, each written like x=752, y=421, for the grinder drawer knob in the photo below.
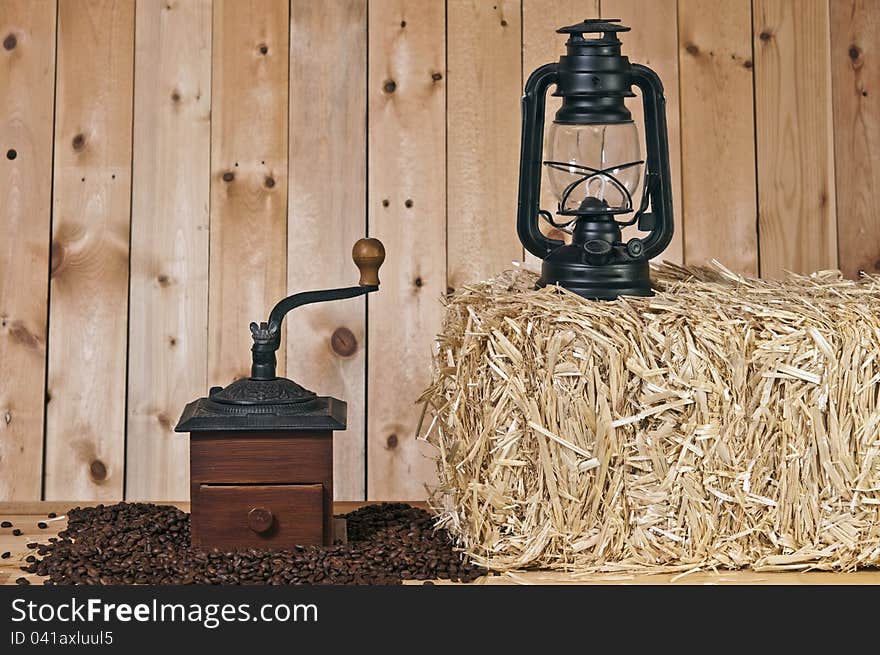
x=260, y=519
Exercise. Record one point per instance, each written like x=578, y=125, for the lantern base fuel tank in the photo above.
x=594, y=167
x=261, y=448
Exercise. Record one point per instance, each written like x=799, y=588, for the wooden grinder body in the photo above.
x=263, y=490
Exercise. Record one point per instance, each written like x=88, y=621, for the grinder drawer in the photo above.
x=231, y=517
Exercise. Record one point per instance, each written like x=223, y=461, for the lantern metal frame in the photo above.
x=593, y=79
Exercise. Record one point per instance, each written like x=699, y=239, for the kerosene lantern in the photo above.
x=261, y=449
x=594, y=167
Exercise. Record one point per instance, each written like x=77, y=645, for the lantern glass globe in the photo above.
x=575, y=152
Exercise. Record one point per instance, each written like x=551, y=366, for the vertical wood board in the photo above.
x=169, y=242
x=855, y=62
x=718, y=133
x=326, y=345
x=27, y=81
x=249, y=146
x=483, y=122
x=85, y=417
x=407, y=211
x=795, y=147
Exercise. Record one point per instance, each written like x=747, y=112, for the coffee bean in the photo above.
x=16, y=532
x=30, y=558
x=6, y=555
x=142, y=543
x=42, y=525
x=6, y=524
x=22, y=581
x=51, y=515
x=33, y=544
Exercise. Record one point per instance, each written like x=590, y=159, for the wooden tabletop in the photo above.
x=26, y=515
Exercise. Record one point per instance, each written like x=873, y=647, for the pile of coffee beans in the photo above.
x=140, y=543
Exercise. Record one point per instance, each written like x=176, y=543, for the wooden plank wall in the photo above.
x=171, y=168
x=326, y=342
x=27, y=103
x=794, y=136
x=169, y=239
x=718, y=133
x=91, y=216
x=406, y=209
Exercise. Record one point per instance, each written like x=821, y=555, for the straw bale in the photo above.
x=725, y=422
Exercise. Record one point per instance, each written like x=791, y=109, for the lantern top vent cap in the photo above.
x=595, y=25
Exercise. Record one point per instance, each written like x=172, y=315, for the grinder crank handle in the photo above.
x=368, y=256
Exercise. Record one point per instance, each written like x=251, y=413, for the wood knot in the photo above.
x=228, y=176
x=419, y=282
x=747, y=63
x=765, y=35
x=172, y=341
x=503, y=23
x=692, y=49
x=164, y=421
x=79, y=142
x=19, y=333
x=98, y=470
x=386, y=202
x=269, y=182
x=57, y=256
x=343, y=342
x=403, y=23
x=436, y=76
x=390, y=86
x=855, y=56
x=264, y=49
x=10, y=42
x=408, y=203
x=163, y=280
x=391, y=441
x=7, y=417
x=11, y=154
x=175, y=96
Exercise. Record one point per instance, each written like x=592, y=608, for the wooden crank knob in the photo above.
x=368, y=255
x=260, y=519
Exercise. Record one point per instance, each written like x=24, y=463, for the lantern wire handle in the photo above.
x=566, y=167
x=592, y=173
